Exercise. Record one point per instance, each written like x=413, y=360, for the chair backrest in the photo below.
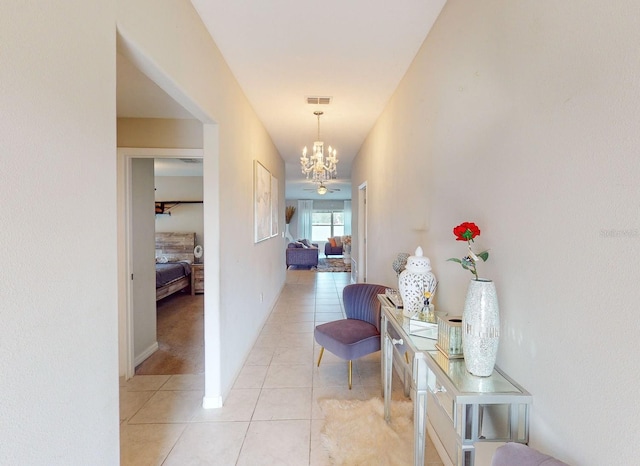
x=361, y=302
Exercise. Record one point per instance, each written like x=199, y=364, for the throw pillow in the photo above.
x=306, y=242
x=338, y=241
x=332, y=242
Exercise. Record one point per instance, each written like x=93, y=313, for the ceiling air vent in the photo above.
x=316, y=100
x=191, y=160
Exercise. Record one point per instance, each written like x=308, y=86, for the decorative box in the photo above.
x=450, y=336
x=394, y=297
x=423, y=329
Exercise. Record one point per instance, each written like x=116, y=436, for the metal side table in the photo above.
x=463, y=409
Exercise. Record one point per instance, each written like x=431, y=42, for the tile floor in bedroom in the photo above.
x=271, y=416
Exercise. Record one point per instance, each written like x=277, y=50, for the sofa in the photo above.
x=335, y=245
x=331, y=250
x=302, y=253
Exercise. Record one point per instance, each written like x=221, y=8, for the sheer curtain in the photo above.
x=347, y=217
x=305, y=209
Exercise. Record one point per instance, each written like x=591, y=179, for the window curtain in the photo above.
x=347, y=218
x=305, y=209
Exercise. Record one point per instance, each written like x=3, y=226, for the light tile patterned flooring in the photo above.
x=271, y=416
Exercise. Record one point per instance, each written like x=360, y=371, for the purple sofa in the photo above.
x=301, y=256
x=330, y=251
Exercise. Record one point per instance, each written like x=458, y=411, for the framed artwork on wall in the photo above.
x=274, y=206
x=262, y=202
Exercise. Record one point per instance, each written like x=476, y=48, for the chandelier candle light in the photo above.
x=316, y=167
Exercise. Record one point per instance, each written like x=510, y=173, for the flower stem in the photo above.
x=473, y=259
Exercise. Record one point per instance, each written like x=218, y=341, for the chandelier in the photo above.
x=316, y=167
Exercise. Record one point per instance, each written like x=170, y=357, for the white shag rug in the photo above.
x=355, y=432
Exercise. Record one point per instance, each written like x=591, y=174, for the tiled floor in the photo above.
x=271, y=416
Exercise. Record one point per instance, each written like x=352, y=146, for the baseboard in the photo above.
x=212, y=402
x=145, y=354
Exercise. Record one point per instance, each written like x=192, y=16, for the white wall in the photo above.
x=167, y=38
x=523, y=117
x=58, y=331
x=184, y=217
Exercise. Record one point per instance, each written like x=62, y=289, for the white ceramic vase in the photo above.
x=414, y=280
x=287, y=235
x=481, y=327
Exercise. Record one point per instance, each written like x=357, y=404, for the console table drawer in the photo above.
x=402, y=356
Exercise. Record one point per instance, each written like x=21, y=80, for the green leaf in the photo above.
x=453, y=259
x=467, y=262
x=484, y=255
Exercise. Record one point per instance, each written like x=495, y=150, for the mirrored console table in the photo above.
x=459, y=409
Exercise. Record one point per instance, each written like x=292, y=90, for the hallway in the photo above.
x=271, y=416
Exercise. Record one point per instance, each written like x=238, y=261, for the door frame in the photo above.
x=125, y=261
x=362, y=233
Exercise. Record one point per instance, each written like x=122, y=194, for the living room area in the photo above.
x=318, y=234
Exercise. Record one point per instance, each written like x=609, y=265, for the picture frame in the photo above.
x=274, y=206
x=262, y=202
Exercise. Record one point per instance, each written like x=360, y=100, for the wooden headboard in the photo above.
x=175, y=246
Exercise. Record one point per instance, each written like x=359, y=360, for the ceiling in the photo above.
x=283, y=51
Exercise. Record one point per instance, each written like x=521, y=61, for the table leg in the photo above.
x=420, y=374
x=387, y=366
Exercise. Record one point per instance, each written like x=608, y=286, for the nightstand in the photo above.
x=197, y=278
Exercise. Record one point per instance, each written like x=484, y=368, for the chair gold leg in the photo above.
x=350, y=371
x=321, y=353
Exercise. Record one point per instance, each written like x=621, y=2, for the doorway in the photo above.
x=362, y=233
x=138, y=313
x=178, y=190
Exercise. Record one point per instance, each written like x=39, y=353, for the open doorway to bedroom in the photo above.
x=164, y=205
x=179, y=257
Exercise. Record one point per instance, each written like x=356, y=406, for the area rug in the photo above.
x=355, y=432
x=333, y=265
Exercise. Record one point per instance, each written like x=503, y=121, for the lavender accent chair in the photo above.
x=358, y=334
x=511, y=454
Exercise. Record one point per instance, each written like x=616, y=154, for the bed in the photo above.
x=174, y=256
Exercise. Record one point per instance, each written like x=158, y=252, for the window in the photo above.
x=325, y=224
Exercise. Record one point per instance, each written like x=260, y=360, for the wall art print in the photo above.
x=274, y=206
x=262, y=202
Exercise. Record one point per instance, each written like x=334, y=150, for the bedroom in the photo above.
x=168, y=332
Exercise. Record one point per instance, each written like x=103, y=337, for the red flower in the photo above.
x=466, y=231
